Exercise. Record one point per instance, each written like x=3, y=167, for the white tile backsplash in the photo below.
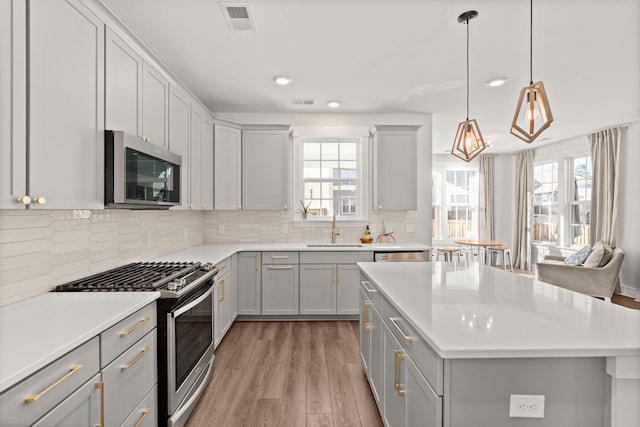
x=41, y=249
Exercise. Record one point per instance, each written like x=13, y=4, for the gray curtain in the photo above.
x=523, y=196
x=605, y=157
x=485, y=204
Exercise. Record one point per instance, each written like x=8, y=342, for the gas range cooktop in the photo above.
x=172, y=279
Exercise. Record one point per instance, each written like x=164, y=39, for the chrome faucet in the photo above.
x=334, y=231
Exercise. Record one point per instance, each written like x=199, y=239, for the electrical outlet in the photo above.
x=526, y=406
x=411, y=228
x=220, y=228
x=285, y=228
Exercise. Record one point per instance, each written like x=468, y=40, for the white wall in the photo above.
x=352, y=124
x=629, y=211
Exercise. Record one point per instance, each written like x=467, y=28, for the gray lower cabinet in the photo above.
x=280, y=283
x=249, y=283
x=225, y=293
x=318, y=288
x=371, y=340
x=394, y=375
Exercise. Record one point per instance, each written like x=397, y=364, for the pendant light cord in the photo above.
x=531, y=42
x=467, y=69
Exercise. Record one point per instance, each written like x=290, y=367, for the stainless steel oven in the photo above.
x=185, y=326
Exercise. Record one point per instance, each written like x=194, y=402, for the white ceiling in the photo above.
x=394, y=56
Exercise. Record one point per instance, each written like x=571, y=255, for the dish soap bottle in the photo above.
x=367, y=236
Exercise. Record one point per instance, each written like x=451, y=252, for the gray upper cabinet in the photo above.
x=179, y=110
x=265, y=168
x=123, y=85
x=227, y=168
x=66, y=64
x=394, y=162
x=201, y=159
x=155, y=94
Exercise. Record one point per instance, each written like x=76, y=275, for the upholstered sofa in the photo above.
x=597, y=282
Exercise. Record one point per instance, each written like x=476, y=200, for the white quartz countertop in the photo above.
x=36, y=331
x=216, y=252
x=477, y=311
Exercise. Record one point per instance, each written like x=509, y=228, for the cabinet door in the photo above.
x=249, y=283
x=318, y=288
x=206, y=163
x=194, y=163
x=217, y=318
x=347, y=285
x=395, y=185
x=227, y=168
x=82, y=408
x=179, y=110
x=123, y=85
x=394, y=381
x=377, y=354
x=66, y=53
x=265, y=170
x=232, y=290
x=424, y=407
x=155, y=94
x=280, y=289
x=13, y=101
x=365, y=334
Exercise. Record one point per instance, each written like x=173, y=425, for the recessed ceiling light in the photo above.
x=282, y=80
x=496, y=81
x=333, y=104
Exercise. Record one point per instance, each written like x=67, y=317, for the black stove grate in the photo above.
x=139, y=276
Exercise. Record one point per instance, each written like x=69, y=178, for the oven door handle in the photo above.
x=192, y=304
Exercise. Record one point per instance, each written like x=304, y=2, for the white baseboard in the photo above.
x=629, y=291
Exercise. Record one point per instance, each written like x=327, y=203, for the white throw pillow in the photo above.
x=578, y=257
x=595, y=257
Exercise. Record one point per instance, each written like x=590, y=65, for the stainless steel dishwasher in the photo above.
x=413, y=256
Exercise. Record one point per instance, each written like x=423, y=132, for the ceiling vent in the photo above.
x=238, y=16
x=303, y=101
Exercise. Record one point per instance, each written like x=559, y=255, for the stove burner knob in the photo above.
x=181, y=282
x=172, y=286
x=207, y=267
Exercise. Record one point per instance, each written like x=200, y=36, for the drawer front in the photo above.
x=279, y=258
x=146, y=413
x=224, y=266
x=82, y=408
x=371, y=292
x=125, y=333
x=425, y=358
x=128, y=379
x=345, y=257
x=38, y=394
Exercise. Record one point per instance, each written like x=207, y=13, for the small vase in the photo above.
x=304, y=215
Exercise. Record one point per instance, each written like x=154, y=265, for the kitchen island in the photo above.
x=472, y=338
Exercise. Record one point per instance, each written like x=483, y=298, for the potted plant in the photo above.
x=304, y=209
x=386, y=236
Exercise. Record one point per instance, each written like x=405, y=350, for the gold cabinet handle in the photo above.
x=335, y=275
x=39, y=200
x=221, y=291
x=204, y=206
x=367, y=325
x=279, y=256
x=279, y=267
x=399, y=357
x=100, y=385
x=406, y=337
x=142, y=322
x=24, y=200
x=338, y=281
x=145, y=412
x=134, y=361
x=223, y=267
x=33, y=397
x=257, y=262
x=371, y=291
x=190, y=206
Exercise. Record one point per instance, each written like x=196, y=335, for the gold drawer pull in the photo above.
x=367, y=325
x=33, y=397
x=371, y=291
x=100, y=385
x=279, y=267
x=279, y=256
x=221, y=291
x=145, y=412
x=142, y=322
x=406, y=338
x=134, y=361
x=223, y=267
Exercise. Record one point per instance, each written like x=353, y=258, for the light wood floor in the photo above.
x=288, y=374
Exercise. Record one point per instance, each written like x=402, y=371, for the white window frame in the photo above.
x=362, y=182
x=561, y=186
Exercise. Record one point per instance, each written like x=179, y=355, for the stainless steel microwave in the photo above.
x=138, y=174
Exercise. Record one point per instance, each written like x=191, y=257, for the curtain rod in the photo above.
x=622, y=126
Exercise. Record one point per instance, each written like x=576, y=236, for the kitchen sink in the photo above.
x=334, y=245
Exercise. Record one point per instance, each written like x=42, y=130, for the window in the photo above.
x=331, y=177
x=545, y=202
x=580, y=206
x=455, y=202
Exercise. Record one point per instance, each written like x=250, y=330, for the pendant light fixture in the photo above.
x=468, y=143
x=533, y=114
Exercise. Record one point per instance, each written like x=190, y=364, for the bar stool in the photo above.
x=448, y=253
x=504, y=253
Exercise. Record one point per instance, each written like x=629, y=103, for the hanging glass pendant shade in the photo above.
x=469, y=142
x=533, y=114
